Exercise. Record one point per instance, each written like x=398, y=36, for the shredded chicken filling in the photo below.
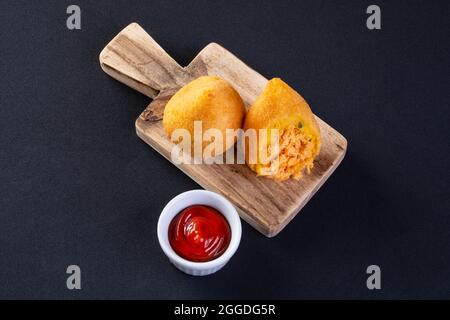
x=296, y=153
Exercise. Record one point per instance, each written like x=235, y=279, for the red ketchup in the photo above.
x=199, y=233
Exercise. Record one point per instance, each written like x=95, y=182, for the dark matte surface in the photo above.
x=78, y=187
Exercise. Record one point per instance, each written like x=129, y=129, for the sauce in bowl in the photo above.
x=199, y=233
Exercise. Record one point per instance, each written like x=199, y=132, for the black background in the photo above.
x=78, y=187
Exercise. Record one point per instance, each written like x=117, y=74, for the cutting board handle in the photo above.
x=136, y=59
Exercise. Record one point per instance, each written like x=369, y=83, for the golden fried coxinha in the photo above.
x=281, y=107
x=208, y=99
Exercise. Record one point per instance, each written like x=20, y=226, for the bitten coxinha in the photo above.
x=278, y=137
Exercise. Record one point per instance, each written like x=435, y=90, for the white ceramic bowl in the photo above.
x=207, y=198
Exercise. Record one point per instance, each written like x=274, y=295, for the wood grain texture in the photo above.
x=135, y=59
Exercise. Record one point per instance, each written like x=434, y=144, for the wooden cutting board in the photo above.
x=137, y=60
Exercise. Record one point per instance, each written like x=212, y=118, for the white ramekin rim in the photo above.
x=199, y=197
